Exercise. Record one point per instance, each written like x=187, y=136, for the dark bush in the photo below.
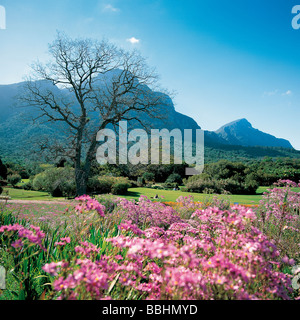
x=14, y=179
x=100, y=186
x=27, y=185
x=3, y=171
x=174, y=178
x=221, y=186
x=108, y=184
x=158, y=187
x=57, y=181
x=170, y=185
x=120, y=188
x=149, y=176
x=201, y=185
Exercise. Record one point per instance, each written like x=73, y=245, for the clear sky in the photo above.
x=224, y=59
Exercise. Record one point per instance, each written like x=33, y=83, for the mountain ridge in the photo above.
x=241, y=132
x=236, y=135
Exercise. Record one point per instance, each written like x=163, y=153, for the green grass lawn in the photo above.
x=135, y=193
x=20, y=194
x=170, y=195
x=23, y=181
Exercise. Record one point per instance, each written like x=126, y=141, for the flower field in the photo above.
x=106, y=248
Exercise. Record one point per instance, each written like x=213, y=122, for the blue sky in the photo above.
x=224, y=59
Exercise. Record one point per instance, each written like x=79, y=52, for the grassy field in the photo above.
x=135, y=193
x=170, y=195
x=21, y=194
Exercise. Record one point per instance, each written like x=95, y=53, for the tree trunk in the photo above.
x=82, y=174
x=81, y=178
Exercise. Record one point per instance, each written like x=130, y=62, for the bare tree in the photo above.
x=88, y=85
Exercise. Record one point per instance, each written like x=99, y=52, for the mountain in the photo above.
x=241, y=132
x=9, y=109
x=18, y=133
x=7, y=101
x=237, y=140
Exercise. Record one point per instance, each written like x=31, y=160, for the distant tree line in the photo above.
x=223, y=176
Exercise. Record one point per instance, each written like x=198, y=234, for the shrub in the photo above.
x=67, y=188
x=174, y=178
x=170, y=185
x=148, y=176
x=225, y=176
x=14, y=179
x=119, y=188
x=1, y=190
x=163, y=171
x=28, y=185
x=57, y=181
x=200, y=186
x=206, y=183
x=232, y=186
x=157, y=187
x=99, y=185
x=221, y=186
x=251, y=183
x=108, y=184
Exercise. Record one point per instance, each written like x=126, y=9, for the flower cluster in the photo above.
x=128, y=226
x=63, y=241
x=220, y=258
x=279, y=216
x=33, y=236
x=88, y=204
x=86, y=279
x=149, y=250
x=146, y=213
x=216, y=254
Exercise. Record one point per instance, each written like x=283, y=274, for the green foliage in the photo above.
x=216, y=152
x=170, y=185
x=3, y=171
x=56, y=181
x=163, y=171
x=149, y=176
x=108, y=169
x=28, y=185
x=108, y=184
x=270, y=170
x=14, y=179
x=224, y=177
x=174, y=178
x=120, y=188
x=203, y=186
x=99, y=185
x=225, y=169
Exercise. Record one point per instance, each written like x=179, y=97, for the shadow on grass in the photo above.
x=132, y=194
